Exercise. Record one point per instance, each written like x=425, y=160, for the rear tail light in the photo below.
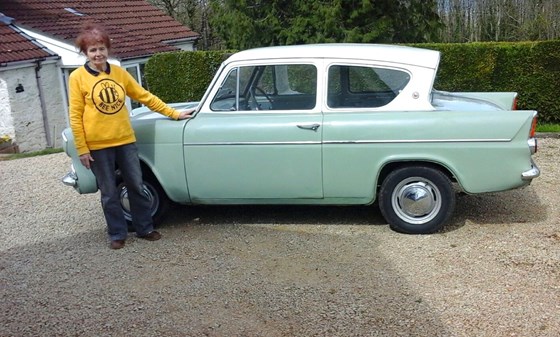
x=514, y=105
x=533, y=127
x=533, y=146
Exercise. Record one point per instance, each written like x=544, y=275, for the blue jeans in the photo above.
x=103, y=167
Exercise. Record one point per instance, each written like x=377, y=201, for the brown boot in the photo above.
x=117, y=244
x=151, y=236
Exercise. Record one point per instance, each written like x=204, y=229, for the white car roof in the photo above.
x=345, y=51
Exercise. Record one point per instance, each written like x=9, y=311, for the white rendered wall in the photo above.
x=187, y=46
x=21, y=114
x=6, y=120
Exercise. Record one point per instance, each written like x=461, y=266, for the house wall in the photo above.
x=21, y=113
x=6, y=120
x=187, y=45
x=21, y=116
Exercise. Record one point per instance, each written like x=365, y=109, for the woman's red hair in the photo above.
x=92, y=33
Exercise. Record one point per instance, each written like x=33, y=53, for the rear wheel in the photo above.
x=159, y=202
x=417, y=200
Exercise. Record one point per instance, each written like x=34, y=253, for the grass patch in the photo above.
x=31, y=154
x=548, y=127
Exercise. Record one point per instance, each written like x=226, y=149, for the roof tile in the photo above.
x=136, y=27
x=16, y=46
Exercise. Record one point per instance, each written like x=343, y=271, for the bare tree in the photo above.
x=499, y=20
x=192, y=13
x=464, y=20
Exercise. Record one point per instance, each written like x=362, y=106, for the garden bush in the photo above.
x=532, y=69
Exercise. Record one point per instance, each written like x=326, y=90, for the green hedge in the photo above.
x=532, y=69
x=184, y=75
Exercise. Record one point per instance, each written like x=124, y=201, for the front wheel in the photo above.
x=417, y=200
x=159, y=202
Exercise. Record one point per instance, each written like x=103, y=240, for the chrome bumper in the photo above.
x=80, y=178
x=71, y=178
x=531, y=174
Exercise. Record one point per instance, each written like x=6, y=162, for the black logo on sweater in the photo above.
x=108, y=96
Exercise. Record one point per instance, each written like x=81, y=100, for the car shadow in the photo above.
x=276, y=214
x=516, y=206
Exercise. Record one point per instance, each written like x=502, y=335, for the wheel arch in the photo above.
x=416, y=197
x=171, y=176
x=158, y=196
x=394, y=165
x=148, y=173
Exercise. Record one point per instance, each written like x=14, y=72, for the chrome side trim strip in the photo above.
x=406, y=141
x=253, y=143
x=396, y=141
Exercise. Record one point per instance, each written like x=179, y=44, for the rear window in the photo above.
x=364, y=87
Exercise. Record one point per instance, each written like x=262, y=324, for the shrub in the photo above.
x=184, y=75
x=532, y=69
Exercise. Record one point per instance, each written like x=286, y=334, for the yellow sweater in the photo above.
x=98, y=115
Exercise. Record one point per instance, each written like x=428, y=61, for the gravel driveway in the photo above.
x=277, y=271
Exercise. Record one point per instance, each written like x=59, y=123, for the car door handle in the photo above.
x=313, y=127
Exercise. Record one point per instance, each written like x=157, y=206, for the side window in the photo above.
x=364, y=87
x=268, y=87
x=226, y=97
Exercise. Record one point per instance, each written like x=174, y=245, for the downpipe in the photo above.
x=43, y=104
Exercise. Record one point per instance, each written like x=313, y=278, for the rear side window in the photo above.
x=364, y=87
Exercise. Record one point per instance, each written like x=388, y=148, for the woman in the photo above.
x=104, y=136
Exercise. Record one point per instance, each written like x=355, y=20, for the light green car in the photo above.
x=332, y=124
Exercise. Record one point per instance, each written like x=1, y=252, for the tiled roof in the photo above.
x=136, y=27
x=16, y=46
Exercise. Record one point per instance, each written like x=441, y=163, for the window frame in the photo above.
x=346, y=85
x=216, y=86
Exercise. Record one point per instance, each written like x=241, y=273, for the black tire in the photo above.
x=417, y=200
x=160, y=201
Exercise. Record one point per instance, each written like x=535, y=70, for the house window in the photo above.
x=137, y=72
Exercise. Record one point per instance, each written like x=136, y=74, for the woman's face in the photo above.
x=97, y=55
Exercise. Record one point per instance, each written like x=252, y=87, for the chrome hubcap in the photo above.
x=125, y=202
x=416, y=200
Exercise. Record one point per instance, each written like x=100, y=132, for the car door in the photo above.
x=255, y=139
x=357, y=125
